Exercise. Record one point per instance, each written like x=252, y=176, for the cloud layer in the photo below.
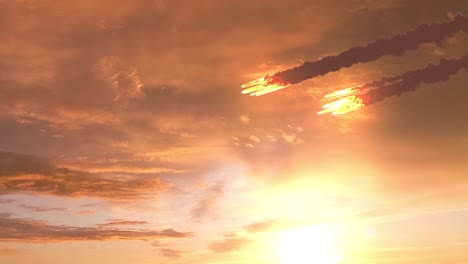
x=23, y=173
x=27, y=230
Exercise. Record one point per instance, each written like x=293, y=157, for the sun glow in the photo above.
x=307, y=245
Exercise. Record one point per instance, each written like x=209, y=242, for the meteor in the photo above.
x=346, y=91
x=374, y=92
x=264, y=85
x=342, y=106
x=395, y=45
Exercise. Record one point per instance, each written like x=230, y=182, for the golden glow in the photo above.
x=264, y=85
x=342, y=106
x=310, y=244
x=344, y=92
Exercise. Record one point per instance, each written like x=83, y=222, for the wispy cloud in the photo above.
x=207, y=201
x=85, y=213
x=40, y=209
x=119, y=222
x=7, y=201
x=27, y=230
x=229, y=244
x=8, y=251
x=170, y=253
x=23, y=173
x=261, y=226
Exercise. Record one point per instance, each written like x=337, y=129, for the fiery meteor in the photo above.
x=395, y=45
x=264, y=85
x=377, y=91
x=356, y=97
x=342, y=106
x=347, y=91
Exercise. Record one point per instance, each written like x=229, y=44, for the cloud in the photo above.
x=89, y=205
x=42, y=209
x=229, y=244
x=85, y=213
x=124, y=80
x=452, y=198
x=118, y=222
x=245, y=119
x=203, y=206
x=27, y=230
x=23, y=173
x=266, y=157
x=257, y=227
x=7, y=251
x=159, y=243
x=170, y=253
x=124, y=165
x=7, y=201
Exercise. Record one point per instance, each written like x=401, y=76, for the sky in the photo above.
x=124, y=136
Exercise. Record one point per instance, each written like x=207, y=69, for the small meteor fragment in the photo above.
x=264, y=85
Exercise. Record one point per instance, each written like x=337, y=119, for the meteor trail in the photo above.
x=377, y=91
x=395, y=45
x=412, y=79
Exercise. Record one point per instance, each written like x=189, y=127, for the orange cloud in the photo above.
x=22, y=173
x=7, y=251
x=170, y=253
x=207, y=201
x=85, y=213
x=261, y=226
x=228, y=244
x=117, y=222
x=27, y=230
x=42, y=209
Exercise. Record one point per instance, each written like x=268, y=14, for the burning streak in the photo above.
x=377, y=91
x=344, y=92
x=395, y=45
x=343, y=106
x=264, y=85
x=356, y=97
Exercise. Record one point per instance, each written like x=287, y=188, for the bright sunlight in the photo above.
x=306, y=245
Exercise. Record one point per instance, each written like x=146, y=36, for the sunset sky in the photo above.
x=125, y=139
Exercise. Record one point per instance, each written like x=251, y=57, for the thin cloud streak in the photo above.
x=27, y=230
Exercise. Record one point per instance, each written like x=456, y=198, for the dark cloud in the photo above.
x=23, y=173
x=27, y=230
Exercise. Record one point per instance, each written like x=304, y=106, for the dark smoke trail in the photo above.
x=385, y=46
x=411, y=80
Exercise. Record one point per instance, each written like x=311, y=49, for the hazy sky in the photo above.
x=124, y=137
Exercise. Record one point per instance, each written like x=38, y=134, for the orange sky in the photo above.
x=124, y=136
